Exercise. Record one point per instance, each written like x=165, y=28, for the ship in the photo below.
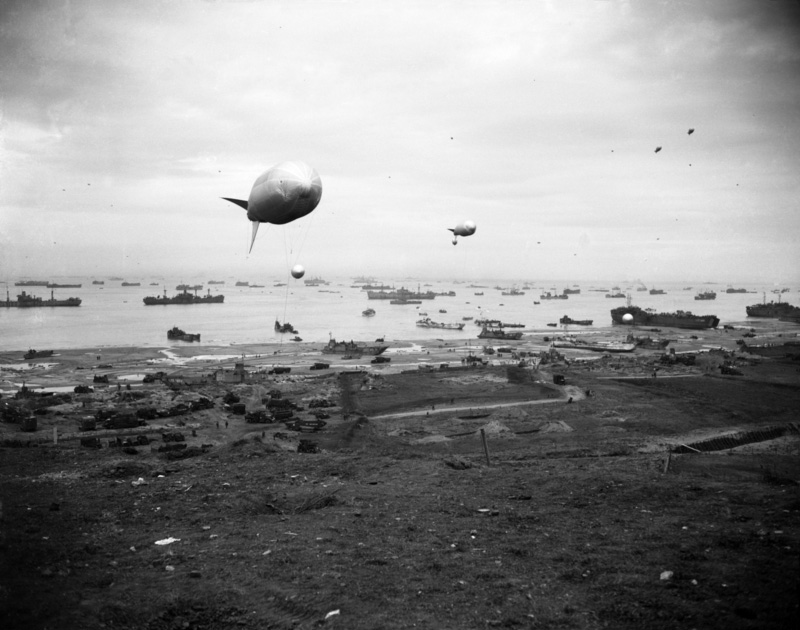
x=352, y=348
x=678, y=319
x=216, y=282
x=595, y=346
x=553, y=296
x=401, y=294
x=25, y=300
x=177, y=333
x=286, y=327
x=706, y=295
x=53, y=285
x=773, y=310
x=788, y=348
x=189, y=287
x=98, y=282
x=499, y=333
x=363, y=280
x=615, y=295
x=427, y=322
x=657, y=292
x=242, y=283
x=32, y=283
x=513, y=292
x=401, y=302
x=377, y=287
x=315, y=282
x=369, y=312
x=183, y=298
x=38, y=354
x=131, y=284
x=732, y=290
x=578, y=322
x=572, y=291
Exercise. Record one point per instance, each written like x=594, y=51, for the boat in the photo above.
x=427, y=322
x=286, y=327
x=657, y=292
x=615, y=295
x=32, y=283
x=790, y=348
x=38, y=354
x=706, y=295
x=363, y=280
x=467, y=319
x=479, y=293
x=368, y=312
x=25, y=300
x=442, y=310
x=98, y=281
x=315, y=282
x=189, y=287
x=405, y=301
x=513, y=292
x=352, y=348
x=53, y=285
x=595, y=346
x=572, y=291
x=578, y=322
x=377, y=287
x=216, y=282
x=772, y=309
x=445, y=293
x=485, y=322
x=297, y=338
x=131, y=284
x=242, y=283
x=177, y=333
x=498, y=333
x=183, y=298
x=401, y=294
x=553, y=296
x=732, y=290
x=678, y=319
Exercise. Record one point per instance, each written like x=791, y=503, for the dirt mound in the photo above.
x=495, y=427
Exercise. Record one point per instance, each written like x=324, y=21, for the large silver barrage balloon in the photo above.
x=298, y=271
x=282, y=194
x=464, y=228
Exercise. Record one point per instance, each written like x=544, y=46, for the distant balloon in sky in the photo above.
x=298, y=271
x=658, y=149
x=691, y=131
x=281, y=194
x=463, y=228
x=627, y=318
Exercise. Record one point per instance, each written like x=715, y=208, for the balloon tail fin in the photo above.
x=452, y=230
x=253, y=238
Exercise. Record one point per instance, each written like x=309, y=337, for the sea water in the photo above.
x=112, y=315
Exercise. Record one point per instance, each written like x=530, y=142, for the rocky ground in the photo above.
x=452, y=498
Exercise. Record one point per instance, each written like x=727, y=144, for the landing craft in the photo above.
x=281, y=194
x=464, y=228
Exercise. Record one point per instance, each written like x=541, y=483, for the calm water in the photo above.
x=112, y=315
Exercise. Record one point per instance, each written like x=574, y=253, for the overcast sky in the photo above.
x=123, y=123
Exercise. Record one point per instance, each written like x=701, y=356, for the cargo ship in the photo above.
x=189, y=287
x=572, y=291
x=401, y=294
x=706, y=295
x=352, y=348
x=377, y=287
x=315, y=282
x=499, y=333
x=513, y=292
x=774, y=310
x=552, y=296
x=24, y=300
x=732, y=290
x=32, y=283
x=53, y=285
x=183, y=298
x=131, y=284
x=657, y=292
x=177, y=333
x=678, y=319
x=427, y=322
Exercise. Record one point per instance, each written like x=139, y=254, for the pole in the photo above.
x=485, y=447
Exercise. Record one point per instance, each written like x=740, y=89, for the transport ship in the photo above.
x=678, y=319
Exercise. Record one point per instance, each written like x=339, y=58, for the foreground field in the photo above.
x=573, y=518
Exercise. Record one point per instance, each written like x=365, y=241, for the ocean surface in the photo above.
x=112, y=315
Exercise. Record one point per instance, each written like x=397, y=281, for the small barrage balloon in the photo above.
x=627, y=318
x=691, y=131
x=298, y=271
x=658, y=149
x=464, y=228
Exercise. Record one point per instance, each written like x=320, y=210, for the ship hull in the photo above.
x=670, y=320
x=773, y=310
